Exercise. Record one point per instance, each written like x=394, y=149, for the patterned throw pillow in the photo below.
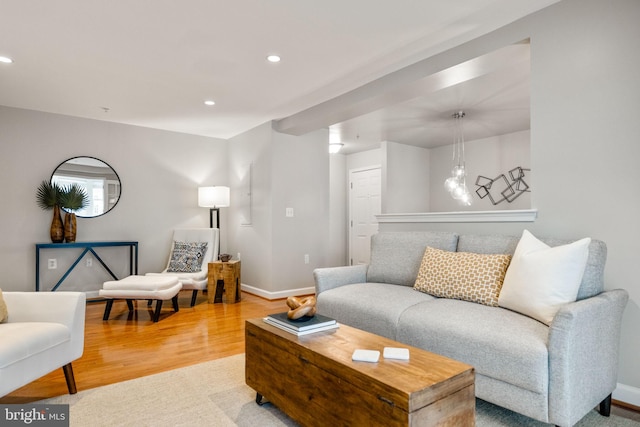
x=4, y=315
x=462, y=275
x=187, y=257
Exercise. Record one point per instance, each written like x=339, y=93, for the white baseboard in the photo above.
x=627, y=394
x=278, y=295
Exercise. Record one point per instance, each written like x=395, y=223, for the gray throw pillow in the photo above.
x=187, y=257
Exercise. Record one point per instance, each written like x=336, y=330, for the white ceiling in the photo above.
x=153, y=63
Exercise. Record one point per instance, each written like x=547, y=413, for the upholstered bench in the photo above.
x=141, y=287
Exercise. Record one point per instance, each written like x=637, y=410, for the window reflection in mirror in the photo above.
x=99, y=180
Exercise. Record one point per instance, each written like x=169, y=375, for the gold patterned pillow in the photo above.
x=3, y=309
x=462, y=275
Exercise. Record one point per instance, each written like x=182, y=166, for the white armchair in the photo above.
x=44, y=331
x=198, y=280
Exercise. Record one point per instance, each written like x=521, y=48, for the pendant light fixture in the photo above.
x=456, y=184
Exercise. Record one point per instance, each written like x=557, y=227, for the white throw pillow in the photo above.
x=541, y=278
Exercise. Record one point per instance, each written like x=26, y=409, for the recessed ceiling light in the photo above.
x=273, y=58
x=6, y=59
x=209, y=102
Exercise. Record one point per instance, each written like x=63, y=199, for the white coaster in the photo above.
x=396, y=353
x=366, y=355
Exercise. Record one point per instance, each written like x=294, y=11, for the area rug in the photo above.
x=214, y=394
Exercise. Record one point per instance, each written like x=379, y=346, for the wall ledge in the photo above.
x=525, y=215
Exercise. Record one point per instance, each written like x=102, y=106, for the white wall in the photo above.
x=405, y=178
x=363, y=159
x=584, y=142
x=288, y=172
x=160, y=172
x=253, y=241
x=338, y=212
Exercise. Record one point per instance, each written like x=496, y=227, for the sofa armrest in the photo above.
x=333, y=277
x=67, y=308
x=584, y=342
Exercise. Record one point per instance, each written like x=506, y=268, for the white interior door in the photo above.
x=364, y=204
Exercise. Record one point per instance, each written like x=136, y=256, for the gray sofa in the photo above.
x=555, y=374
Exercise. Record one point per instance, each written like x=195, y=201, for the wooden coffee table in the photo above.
x=313, y=380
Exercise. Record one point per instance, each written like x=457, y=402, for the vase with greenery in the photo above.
x=72, y=198
x=48, y=198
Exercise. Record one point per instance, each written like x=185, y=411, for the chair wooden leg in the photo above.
x=130, y=304
x=68, y=375
x=174, y=300
x=605, y=406
x=107, y=309
x=156, y=315
x=193, y=297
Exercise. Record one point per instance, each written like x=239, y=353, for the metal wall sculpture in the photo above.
x=501, y=188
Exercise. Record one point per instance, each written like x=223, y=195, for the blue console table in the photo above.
x=88, y=247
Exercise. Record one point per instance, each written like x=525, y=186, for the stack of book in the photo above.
x=303, y=326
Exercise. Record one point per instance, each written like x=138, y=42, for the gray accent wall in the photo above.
x=160, y=173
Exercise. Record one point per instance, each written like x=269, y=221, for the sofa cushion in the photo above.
x=462, y=275
x=541, y=278
x=374, y=307
x=476, y=334
x=4, y=314
x=24, y=339
x=396, y=256
x=186, y=257
x=592, y=281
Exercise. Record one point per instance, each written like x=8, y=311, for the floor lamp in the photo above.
x=214, y=198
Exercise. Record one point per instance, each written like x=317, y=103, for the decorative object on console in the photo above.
x=456, y=184
x=73, y=198
x=500, y=188
x=224, y=257
x=48, y=197
x=301, y=307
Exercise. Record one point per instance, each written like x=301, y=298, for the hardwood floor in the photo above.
x=129, y=346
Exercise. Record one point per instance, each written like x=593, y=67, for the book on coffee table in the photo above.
x=302, y=324
x=300, y=333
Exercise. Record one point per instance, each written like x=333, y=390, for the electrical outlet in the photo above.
x=289, y=212
x=306, y=258
x=89, y=262
x=52, y=263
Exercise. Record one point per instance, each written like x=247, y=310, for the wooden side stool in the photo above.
x=223, y=282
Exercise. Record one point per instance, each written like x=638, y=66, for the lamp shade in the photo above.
x=213, y=197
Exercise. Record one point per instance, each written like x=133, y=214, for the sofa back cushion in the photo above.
x=396, y=256
x=592, y=280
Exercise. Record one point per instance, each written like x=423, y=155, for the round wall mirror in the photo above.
x=100, y=181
